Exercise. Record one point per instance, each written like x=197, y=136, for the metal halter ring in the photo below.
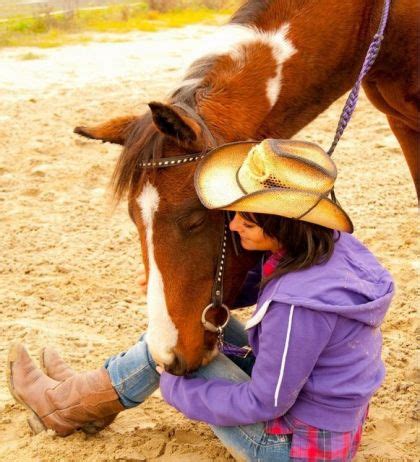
x=210, y=326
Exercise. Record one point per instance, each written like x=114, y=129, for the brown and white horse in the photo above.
x=279, y=64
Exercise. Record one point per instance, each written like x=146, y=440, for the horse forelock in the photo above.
x=143, y=144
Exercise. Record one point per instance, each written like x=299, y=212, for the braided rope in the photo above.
x=352, y=99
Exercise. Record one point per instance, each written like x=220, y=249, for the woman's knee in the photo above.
x=223, y=368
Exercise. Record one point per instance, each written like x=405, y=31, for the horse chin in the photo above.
x=210, y=355
x=177, y=367
x=180, y=367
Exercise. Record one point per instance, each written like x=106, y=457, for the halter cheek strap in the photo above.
x=217, y=291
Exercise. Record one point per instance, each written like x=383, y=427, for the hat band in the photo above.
x=238, y=181
x=312, y=207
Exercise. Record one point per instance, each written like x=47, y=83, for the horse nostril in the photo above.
x=178, y=366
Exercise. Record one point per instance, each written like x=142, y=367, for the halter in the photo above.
x=217, y=290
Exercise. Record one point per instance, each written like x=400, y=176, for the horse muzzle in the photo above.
x=179, y=365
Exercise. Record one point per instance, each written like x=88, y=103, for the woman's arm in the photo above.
x=290, y=342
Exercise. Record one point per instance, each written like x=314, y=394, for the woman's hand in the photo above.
x=141, y=280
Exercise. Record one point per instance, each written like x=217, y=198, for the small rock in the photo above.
x=63, y=268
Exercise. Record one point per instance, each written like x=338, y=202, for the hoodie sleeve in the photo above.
x=290, y=342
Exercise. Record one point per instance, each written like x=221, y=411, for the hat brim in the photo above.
x=217, y=188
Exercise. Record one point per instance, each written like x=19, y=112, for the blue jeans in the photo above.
x=134, y=378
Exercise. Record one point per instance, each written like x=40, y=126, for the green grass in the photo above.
x=56, y=30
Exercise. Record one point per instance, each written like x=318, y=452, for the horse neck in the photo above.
x=327, y=56
x=330, y=52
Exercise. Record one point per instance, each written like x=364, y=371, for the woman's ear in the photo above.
x=177, y=124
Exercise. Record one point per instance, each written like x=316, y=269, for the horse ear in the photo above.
x=114, y=131
x=174, y=122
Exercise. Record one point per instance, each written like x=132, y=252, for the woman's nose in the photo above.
x=234, y=223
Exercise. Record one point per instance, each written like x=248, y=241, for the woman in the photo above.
x=304, y=391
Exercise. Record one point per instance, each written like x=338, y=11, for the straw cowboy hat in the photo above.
x=280, y=177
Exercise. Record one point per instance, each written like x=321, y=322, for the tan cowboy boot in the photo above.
x=61, y=406
x=56, y=368
x=54, y=365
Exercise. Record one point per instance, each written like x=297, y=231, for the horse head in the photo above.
x=180, y=238
x=224, y=97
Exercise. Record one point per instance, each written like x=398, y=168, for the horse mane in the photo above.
x=143, y=143
x=252, y=11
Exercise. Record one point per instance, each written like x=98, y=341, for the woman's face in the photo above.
x=252, y=236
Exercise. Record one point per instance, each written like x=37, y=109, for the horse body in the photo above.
x=288, y=61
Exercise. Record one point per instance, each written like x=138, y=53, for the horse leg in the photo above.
x=402, y=121
x=409, y=140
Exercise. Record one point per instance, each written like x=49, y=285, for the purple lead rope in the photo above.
x=367, y=64
x=233, y=350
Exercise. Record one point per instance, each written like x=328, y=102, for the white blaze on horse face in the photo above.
x=233, y=39
x=162, y=335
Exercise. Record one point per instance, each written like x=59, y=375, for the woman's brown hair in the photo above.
x=306, y=244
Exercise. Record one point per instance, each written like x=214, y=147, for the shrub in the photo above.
x=164, y=5
x=214, y=4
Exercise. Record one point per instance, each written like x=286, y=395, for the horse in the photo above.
x=280, y=64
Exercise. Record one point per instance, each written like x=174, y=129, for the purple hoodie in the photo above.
x=315, y=334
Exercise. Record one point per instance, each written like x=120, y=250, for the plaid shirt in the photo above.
x=311, y=444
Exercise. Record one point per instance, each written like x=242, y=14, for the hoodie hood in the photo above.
x=352, y=283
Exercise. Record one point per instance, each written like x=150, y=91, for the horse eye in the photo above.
x=193, y=221
x=196, y=223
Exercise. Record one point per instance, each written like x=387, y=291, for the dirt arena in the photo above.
x=68, y=266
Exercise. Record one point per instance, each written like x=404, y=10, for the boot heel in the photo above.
x=36, y=424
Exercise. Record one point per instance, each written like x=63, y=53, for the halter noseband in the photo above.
x=217, y=291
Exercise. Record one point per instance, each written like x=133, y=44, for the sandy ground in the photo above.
x=68, y=266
